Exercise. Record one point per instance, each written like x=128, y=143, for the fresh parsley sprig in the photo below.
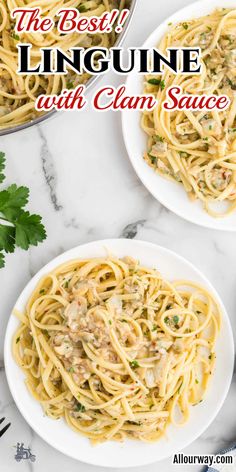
x=18, y=228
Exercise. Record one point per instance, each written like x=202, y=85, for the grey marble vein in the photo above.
x=49, y=170
x=219, y=248
x=72, y=223
x=131, y=230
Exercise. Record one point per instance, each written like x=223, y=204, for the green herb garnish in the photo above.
x=159, y=138
x=134, y=364
x=15, y=36
x=185, y=25
x=183, y=154
x=157, y=82
x=154, y=81
x=232, y=85
x=17, y=340
x=82, y=8
x=162, y=84
x=80, y=407
x=17, y=226
x=175, y=319
x=152, y=158
x=69, y=85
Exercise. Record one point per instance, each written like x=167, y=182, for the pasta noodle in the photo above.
x=115, y=349
x=18, y=92
x=198, y=149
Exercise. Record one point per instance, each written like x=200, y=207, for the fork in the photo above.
x=3, y=430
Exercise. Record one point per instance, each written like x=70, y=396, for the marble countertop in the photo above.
x=83, y=185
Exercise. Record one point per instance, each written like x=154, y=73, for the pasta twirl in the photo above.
x=198, y=149
x=115, y=349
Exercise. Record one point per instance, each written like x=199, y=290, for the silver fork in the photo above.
x=3, y=430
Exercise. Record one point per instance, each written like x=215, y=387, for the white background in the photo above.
x=83, y=185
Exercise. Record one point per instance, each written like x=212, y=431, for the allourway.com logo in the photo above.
x=200, y=459
x=23, y=453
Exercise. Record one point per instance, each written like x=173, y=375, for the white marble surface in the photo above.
x=82, y=183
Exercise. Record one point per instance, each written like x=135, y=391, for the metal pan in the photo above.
x=131, y=4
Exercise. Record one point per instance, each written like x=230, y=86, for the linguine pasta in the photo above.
x=198, y=149
x=18, y=92
x=115, y=349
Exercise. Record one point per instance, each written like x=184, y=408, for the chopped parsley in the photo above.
x=134, y=364
x=232, y=85
x=159, y=138
x=110, y=322
x=183, y=154
x=196, y=381
x=175, y=320
x=154, y=328
x=69, y=85
x=15, y=36
x=152, y=158
x=167, y=320
x=185, y=25
x=157, y=82
x=82, y=8
x=17, y=339
x=154, y=81
x=80, y=407
x=42, y=291
x=162, y=84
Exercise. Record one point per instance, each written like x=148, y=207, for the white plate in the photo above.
x=170, y=194
x=130, y=453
